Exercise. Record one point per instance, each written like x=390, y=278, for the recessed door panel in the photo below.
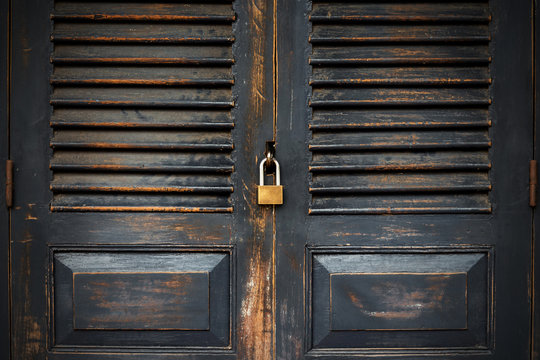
x=118, y=298
x=401, y=299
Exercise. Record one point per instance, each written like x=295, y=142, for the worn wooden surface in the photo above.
x=5, y=248
x=141, y=297
x=141, y=107
x=341, y=140
x=143, y=125
x=409, y=117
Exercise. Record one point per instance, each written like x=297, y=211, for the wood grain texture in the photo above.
x=407, y=12
x=403, y=301
x=115, y=11
x=107, y=301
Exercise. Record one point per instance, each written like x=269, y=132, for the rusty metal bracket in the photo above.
x=533, y=182
x=9, y=183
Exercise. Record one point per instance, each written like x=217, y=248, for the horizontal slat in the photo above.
x=142, y=118
x=102, y=11
x=142, y=54
x=133, y=139
x=422, y=76
x=402, y=140
x=422, y=12
x=147, y=202
x=402, y=54
x=400, y=204
x=398, y=183
x=399, y=97
x=401, y=161
x=111, y=182
x=135, y=96
x=324, y=34
x=159, y=162
x=142, y=33
x=158, y=76
x=399, y=119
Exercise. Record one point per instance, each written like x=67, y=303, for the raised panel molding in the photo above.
x=141, y=297
x=377, y=300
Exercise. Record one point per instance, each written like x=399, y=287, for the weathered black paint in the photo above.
x=271, y=313
x=5, y=318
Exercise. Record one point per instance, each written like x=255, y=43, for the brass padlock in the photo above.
x=270, y=194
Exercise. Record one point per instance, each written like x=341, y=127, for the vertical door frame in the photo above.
x=535, y=247
x=5, y=319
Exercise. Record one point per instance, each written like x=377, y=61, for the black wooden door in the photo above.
x=403, y=130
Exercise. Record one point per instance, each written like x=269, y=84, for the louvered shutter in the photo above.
x=141, y=106
x=400, y=107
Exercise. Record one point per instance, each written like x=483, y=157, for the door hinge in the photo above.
x=533, y=182
x=9, y=183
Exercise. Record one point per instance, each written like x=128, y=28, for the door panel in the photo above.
x=135, y=191
x=139, y=297
x=404, y=299
x=403, y=122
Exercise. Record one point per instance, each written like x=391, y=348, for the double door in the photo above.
x=404, y=134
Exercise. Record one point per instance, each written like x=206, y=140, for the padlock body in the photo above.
x=270, y=194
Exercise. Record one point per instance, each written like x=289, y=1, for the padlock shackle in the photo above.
x=261, y=171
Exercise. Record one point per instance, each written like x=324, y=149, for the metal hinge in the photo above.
x=533, y=182
x=9, y=183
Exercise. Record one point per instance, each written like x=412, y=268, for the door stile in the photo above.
x=535, y=249
x=29, y=82
x=253, y=224
x=4, y=155
x=292, y=140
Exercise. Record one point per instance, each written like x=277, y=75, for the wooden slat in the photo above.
x=402, y=140
x=156, y=76
x=401, y=161
x=141, y=118
x=136, y=96
x=401, y=204
x=134, y=139
x=324, y=34
x=402, y=76
x=400, y=12
x=398, y=119
x=103, y=11
x=141, y=33
x=400, y=54
x=112, y=182
x=141, y=54
x=158, y=162
x=381, y=96
x=399, y=183
x=139, y=202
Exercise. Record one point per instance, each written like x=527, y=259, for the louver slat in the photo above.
x=141, y=106
x=400, y=103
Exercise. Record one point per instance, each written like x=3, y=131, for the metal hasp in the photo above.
x=269, y=194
